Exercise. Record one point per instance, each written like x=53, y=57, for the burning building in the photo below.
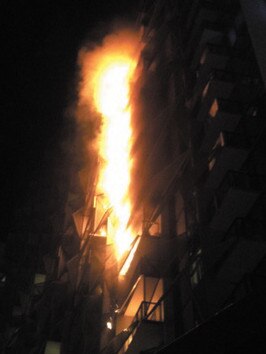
x=163, y=247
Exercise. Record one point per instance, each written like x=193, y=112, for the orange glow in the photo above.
x=111, y=96
x=107, y=73
x=129, y=259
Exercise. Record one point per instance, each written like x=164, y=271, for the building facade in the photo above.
x=196, y=280
x=203, y=96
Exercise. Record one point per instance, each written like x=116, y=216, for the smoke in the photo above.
x=104, y=41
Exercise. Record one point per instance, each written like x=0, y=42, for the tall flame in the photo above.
x=107, y=72
x=111, y=98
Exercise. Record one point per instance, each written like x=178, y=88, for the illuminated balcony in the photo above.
x=205, y=32
x=229, y=152
x=223, y=115
x=211, y=57
x=214, y=55
x=147, y=289
x=149, y=261
x=234, y=198
x=148, y=333
x=226, y=112
x=219, y=85
x=141, y=309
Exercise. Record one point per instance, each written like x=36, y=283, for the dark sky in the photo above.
x=39, y=48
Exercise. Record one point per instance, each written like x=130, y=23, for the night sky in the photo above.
x=39, y=49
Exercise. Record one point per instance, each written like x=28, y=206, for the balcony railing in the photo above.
x=234, y=198
x=213, y=55
x=206, y=59
x=223, y=116
x=230, y=151
x=144, y=309
x=237, y=139
x=199, y=11
x=237, y=180
x=225, y=106
x=248, y=228
x=206, y=31
x=220, y=83
x=145, y=312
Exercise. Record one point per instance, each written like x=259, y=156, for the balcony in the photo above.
x=235, y=264
x=242, y=229
x=235, y=255
x=204, y=9
x=148, y=260
x=147, y=289
x=227, y=112
x=139, y=308
x=223, y=115
x=211, y=57
x=248, y=228
x=233, y=199
x=214, y=55
x=200, y=12
x=148, y=333
x=230, y=152
x=219, y=85
x=231, y=330
x=237, y=139
x=205, y=32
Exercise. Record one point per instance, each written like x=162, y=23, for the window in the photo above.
x=52, y=348
x=252, y=111
x=196, y=270
x=156, y=227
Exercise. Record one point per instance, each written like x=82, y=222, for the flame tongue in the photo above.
x=111, y=96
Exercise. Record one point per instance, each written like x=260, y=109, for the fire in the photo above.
x=111, y=97
x=107, y=72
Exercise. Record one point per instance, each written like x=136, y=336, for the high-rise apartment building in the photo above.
x=202, y=93
x=196, y=280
